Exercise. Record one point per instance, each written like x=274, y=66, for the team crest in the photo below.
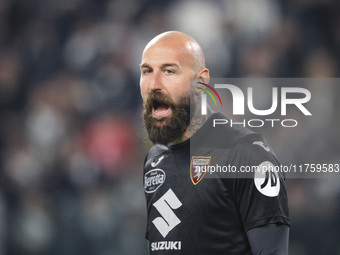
x=198, y=168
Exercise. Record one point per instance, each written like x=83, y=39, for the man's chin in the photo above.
x=160, y=122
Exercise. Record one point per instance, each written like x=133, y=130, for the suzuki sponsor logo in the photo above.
x=166, y=245
x=168, y=219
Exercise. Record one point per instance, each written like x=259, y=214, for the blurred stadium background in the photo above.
x=71, y=137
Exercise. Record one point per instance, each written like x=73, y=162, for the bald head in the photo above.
x=170, y=63
x=183, y=43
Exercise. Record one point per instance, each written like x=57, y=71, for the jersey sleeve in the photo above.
x=260, y=192
x=269, y=239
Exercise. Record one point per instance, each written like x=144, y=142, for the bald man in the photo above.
x=187, y=213
x=170, y=61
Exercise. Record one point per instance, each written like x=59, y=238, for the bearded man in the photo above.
x=189, y=213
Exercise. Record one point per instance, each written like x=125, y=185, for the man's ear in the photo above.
x=202, y=77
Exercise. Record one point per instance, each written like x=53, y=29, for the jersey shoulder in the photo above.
x=155, y=152
x=255, y=146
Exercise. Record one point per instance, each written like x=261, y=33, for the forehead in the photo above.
x=160, y=53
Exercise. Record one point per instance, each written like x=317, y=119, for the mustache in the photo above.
x=156, y=98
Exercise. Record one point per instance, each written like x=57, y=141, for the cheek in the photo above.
x=184, y=89
x=179, y=94
x=143, y=90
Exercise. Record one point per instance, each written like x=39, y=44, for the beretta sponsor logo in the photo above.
x=153, y=180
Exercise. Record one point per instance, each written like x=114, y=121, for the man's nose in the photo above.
x=155, y=82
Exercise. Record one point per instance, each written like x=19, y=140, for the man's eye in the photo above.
x=146, y=71
x=169, y=71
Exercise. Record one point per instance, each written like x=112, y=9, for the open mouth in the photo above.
x=160, y=110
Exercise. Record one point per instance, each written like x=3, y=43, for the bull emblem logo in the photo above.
x=198, y=168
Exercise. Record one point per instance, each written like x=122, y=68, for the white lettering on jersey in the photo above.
x=166, y=245
x=153, y=180
x=165, y=206
x=267, y=180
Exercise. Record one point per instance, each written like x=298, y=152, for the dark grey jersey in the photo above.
x=192, y=211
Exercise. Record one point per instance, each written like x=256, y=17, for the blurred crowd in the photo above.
x=72, y=142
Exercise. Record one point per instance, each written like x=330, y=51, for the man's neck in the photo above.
x=195, y=124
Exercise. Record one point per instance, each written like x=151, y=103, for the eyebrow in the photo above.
x=145, y=65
